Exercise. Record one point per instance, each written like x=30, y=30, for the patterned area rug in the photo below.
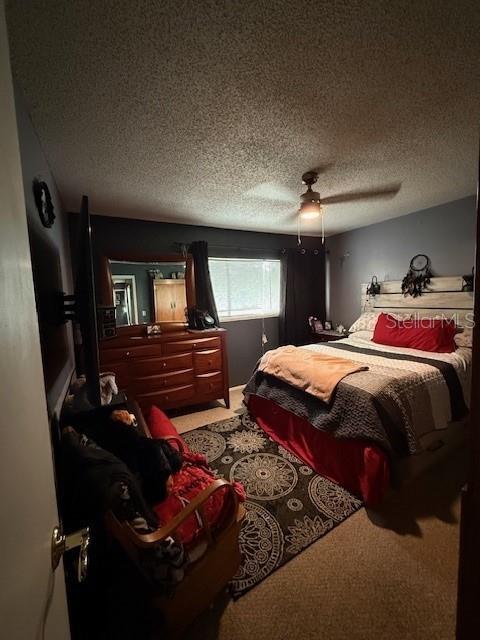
x=288, y=505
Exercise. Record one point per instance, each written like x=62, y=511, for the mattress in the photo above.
x=404, y=394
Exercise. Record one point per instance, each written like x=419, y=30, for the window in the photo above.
x=245, y=288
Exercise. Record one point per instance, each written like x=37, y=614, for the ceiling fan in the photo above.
x=311, y=203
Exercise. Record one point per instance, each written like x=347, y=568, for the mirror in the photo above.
x=148, y=292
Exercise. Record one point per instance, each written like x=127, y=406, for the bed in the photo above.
x=379, y=416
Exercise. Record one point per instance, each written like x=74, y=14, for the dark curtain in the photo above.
x=303, y=293
x=203, y=284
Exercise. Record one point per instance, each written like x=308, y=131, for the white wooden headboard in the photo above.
x=444, y=297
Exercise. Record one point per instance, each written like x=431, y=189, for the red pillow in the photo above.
x=424, y=334
x=160, y=425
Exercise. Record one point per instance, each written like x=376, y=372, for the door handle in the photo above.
x=62, y=543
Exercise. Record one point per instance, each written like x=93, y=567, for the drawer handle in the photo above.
x=194, y=345
x=164, y=364
x=128, y=353
x=211, y=385
x=209, y=363
x=166, y=398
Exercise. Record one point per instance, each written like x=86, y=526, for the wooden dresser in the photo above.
x=171, y=370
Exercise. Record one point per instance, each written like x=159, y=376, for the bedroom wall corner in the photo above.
x=446, y=233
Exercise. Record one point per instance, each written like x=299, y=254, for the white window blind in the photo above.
x=245, y=288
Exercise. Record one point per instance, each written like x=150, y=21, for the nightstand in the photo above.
x=327, y=336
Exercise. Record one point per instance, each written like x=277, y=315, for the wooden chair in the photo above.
x=205, y=578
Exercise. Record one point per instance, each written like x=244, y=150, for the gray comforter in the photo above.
x=402, y=396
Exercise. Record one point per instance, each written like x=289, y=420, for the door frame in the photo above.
x=468, y=604
x=130, y=280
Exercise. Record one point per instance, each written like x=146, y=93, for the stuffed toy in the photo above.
x=122, y=415
x=77, y=399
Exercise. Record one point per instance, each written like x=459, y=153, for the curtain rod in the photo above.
x=232, y=247
x=265, y=249
x=226, y=246
x=273, y=249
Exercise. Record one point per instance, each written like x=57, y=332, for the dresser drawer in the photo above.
x=145, y=350
x=112, y=355
x=194, y=343
x=210, y=384
x=210, y=360
x=162, y=382
x=167, y=398
x=142, y=367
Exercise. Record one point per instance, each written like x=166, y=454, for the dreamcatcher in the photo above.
x=418, y=276
x=373, y=288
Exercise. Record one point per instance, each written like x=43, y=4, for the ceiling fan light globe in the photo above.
x=309, y=215
x=310, y=210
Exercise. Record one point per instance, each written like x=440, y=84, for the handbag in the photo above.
x=200, y=319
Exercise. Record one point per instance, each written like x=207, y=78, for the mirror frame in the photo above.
x=104, y=282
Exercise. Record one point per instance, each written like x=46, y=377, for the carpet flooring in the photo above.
x=385, y=575
x=288, y=505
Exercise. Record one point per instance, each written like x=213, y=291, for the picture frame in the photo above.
x=153, y=329
x=328, y=325
x=317, y=325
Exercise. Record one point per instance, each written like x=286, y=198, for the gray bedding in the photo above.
x=402, y=396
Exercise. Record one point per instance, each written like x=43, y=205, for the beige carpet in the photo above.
x=361, y=580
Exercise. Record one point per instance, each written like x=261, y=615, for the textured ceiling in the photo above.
x=176, y=110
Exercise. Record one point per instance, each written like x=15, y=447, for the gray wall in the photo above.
x=244, y=336
x=51, y=263
x=445, y=233
x=245, y=345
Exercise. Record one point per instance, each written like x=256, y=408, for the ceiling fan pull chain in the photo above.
x=323, y=229
x=299, y=239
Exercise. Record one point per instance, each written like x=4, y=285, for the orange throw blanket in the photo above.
x=314, y=373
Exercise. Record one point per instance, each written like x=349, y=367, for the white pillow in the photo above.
x=368, y=320
x=364, y=336
x=464, y=338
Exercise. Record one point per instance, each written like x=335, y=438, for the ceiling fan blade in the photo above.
x=293, y=216
x=353, y=196
x=322, y=168
x=273, y=191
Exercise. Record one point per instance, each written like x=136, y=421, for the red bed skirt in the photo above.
x=357, y=465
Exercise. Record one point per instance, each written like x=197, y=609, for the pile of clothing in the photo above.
x=109, y=465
